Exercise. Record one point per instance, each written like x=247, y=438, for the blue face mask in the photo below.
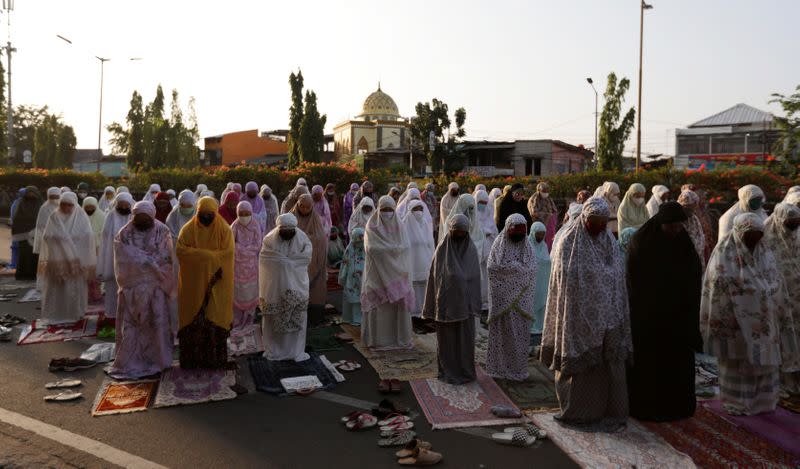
x=187, y=211
x=755, y=203
x=481, y=207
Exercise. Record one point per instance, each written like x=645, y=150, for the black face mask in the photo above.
x=368, y=194
x=286, y=235
x=144, y=225
x=516, y=237
x=124, y=211
x=206, y=218
x=89, y=212
x=792, y=226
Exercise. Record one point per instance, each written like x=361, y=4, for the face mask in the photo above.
x=614, y=198
x=366, y=211
x=90, y=211
x=53, y=201
x=110, y=196
x=330, y=193
x=245, y=220
x=206, y=218
x=252, y=194
x=286, y=235
x=638, y=201
x=387, y=215
x=454, y=192
x=752, y=238
x=144, y=225
x=124, y=211
x=544, y=195
x=595, y=229
x=417, y=214
x=481, y=207
x=368, y=194
x=755, y=204
x=792, y=225
x=82, y=195
x=539, y=237
x=187, y=211
x=516, y=237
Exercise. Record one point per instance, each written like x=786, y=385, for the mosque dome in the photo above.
x=380, y=105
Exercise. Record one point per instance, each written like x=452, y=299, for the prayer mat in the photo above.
x=41, y=331
x=267, y=374
x=535, y=394
x=419, y=362
x=333, y=280
x=713, y=442
x=322, y=339
x=97, y=309
x=123, y=397
x=460, y=406
x=635, y=446
x=780, y=427
x=179, y=386
x=31, y=296
x=245, y=341
x=791, y=403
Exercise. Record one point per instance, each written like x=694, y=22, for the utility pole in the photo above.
x=644, y=6
x=100, y=121
x=591, y=82
x=8, y=7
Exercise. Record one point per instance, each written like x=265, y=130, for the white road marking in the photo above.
x=79, y=442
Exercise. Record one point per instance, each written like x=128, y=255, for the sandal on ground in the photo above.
x=421, y=457
x=63, y=396
x=352, y=415
x=397, y=426
x=397, y=439
x=343, y=336
x=530, y=429
x=395, y=386
x=504, y=411
x=345, y=365
x=393, y=419
x=363, y=421
x=384, y=386
x=387, y=407
x=518, y=437
x=63, y=383
x=412, y=446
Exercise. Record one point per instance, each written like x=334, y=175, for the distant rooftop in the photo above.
x=741, y=114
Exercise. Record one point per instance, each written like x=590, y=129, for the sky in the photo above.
x=519, y=68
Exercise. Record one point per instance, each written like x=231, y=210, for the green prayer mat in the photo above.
x=321, y=339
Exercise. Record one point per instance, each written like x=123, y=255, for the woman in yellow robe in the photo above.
x=205, y=248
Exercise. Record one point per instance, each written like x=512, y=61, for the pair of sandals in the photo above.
x=67, y=395
x=520, y=436
x=389, y=385
x=357, y=421
x=345, y=365
x=395, y=423
x=418, y=453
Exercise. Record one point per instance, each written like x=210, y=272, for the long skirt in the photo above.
x=64, y=299
x=456, y=352
x=484, y=285
x=419, y=296
x=387, y=328
x=595, y=396
x=661, y=383
x=748, y=389
x=284, y=345
x=351, y=313
x=550, y=232
x=27, y=262
x=110, y=287
x=509, y=341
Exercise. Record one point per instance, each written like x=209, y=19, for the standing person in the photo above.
x=361, y=215
x=45, y=210
x=632, y=212
x=108, y=197
x=513, y=202
x=252, y=197
x=751, y=200
x=402, y=206
x=247, y=237
x=182, y=213
x=97, y=219
x=453, y=300
x=446, y=205
x=394, y=193
x=432, y=203
x=664, y=326
x=199, y=190
x=283, y=290
x=163, y=206
x=228, y=208
x=610, y=192
x=486, y=222
x=498, y=201
x=542, y=255
x=334, y=204
x=152, y=192
x=625, y=238
x=228, y=188
x=366, y=190
x=690, y=201
x=348, y=205
x=780, y=235
x=351, y=276
x=586, y=338
x=581, y=197
x=117, y=218
x=335, y=249
x=420, y=237
x=512, y=288
x=82, y=192
x=291, y=200
x=23, y=231
x=15, y=244
x=386, y=295
x=206, y=256
x=310, y=223
x=465, y=205
x=743, y=307
x=172, y=197
x=573, y=216
x=405, y=194
x=67, y=261
x=144, y=266
x=270, y=208
x=660, y=195
x=542, y=208
x=321, y=207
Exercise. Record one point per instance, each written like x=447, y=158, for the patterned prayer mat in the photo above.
x=460, y=406
x=780, y=427
x=245, y=341
x=267, y=374
x=321, y=339
x=333, y=280
x=123, y=397
x=417, y=363
x=179, y=386
x=713, y=442
x=634, y=446
x=41, y=331
x=537, y=393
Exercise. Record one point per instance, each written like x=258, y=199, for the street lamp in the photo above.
x=643, y=6
x=595, y=118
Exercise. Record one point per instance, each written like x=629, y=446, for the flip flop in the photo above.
x=393, y=419
x=398, y=426
x=530, y=429
x=345, y=365
x=63, y=396
x=421, y=457
x=518, y=437
x=412, y=446
x=397, y=439
x=63, y=383
x=305, y=391
x=362, y=422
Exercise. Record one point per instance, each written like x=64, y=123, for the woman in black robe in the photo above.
x=514, y=202
x=23, y=226
x=664, y=286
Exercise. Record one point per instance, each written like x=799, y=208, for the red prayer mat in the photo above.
x=122, y=397
x=41, y=331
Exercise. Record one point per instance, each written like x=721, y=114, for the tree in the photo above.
x=26, y=120
x=312, y=131
x=787, y=147
x=613, y=133
x=434, y=117
x=54, y=143
x=66, y=146
x=295, y=118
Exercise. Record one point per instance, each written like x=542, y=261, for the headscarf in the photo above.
x=406, y=193
x=201, y=251
x=114, y=222
x=335, y=249
x=479, y=187
x=148, y=208
x=465, y=205
x=404, y=206
x=270, y=208
x=746, y=193
x=366, y=188
x=792, y=190
x=542, y=208
x=200, y=189
x=512, y=271
x=453, y=293
x=692, y=224
x=97, y=220
x=122, y=189
x=486, y=222
x=387, y=267
x=587, y=320
x=540, y=251
x=45, y=210
x=149, y=196
x=23, y=220
x=257, y=203
x=247, y=240
x=317, y=233
x=172, y=198
x=573, y=215
x=176, y=219
x=351, y=271
x=334, y=203
x=630, y=215
x=227, y=214
x=509, y=206
x=446, y=204
x=745, y=305
x=291, y=200
x=65, y=189
x=321, y=208
x=348, y=202
x=420, y=237
x=359, y=219
x=228, y=188
x=163, y=206
x=67, y=249
x=655, y=200
x=493, y=195
x=105, y=203
x=301, y=182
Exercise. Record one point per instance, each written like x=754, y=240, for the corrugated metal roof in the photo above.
x=737, y=115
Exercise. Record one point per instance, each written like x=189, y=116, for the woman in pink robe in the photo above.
x=143, y=265
x=247, y=237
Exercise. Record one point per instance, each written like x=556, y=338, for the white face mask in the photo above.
x=245, y=220
x=614, y=198
x=544, y=194
x=638, y=200
x=417, y=214
x=387, y=215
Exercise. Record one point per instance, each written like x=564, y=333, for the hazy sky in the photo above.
x=518, y=67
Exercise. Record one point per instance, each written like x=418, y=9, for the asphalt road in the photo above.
x=253, y=430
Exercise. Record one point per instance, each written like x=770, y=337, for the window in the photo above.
x=537, y=167
x=692, y=145
x=363, y=146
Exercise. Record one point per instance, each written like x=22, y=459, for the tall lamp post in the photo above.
x=8, y=7
x=591, y=82
x=644, y=6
